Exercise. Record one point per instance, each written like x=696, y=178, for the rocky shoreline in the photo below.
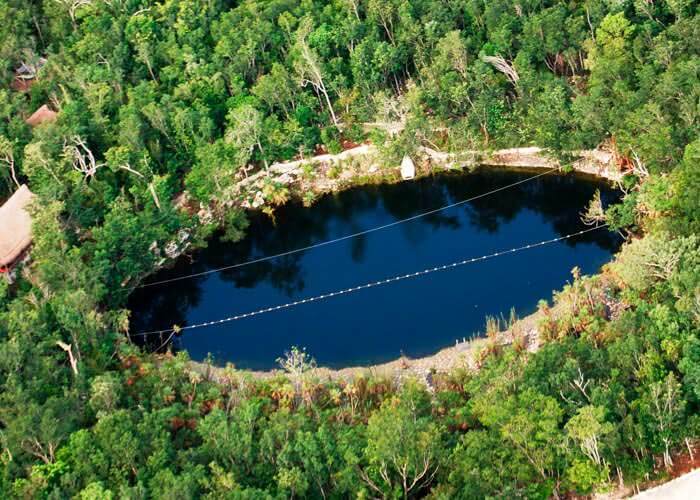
x=362, y=164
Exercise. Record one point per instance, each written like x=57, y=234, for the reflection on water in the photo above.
x=417, y=316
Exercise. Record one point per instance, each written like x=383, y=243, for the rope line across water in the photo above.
x=372, y=284
x=346, y=237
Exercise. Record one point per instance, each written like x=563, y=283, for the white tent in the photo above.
x=408, y=168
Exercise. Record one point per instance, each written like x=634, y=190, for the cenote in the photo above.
x=416, y=317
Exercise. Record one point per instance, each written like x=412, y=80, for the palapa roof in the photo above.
x=42, y=115
x=15, y=226
x=26, y=74
x=28, y=71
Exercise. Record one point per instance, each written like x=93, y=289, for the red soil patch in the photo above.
x=682, y=463
x=348, y=144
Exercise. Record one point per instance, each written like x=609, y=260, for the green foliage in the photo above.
x=585, y=476
x=155, y=98
x=235, y=225
x=403, y=445
x=623, y=216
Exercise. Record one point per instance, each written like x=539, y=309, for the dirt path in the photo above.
x=681, y=488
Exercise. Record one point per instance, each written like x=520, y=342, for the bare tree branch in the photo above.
x=82, y=158
x=500, y=64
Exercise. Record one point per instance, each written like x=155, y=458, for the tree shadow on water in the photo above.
x=557, y=199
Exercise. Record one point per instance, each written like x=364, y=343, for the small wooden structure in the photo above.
x=408, y=168
x=42, y=115
x=27, y=74
x=15, y=228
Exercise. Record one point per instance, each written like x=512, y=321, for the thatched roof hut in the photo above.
x=42, y=115
x=29, y=70
x=27, y=74
x=15, y=226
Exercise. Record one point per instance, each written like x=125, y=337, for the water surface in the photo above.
x=416, y=317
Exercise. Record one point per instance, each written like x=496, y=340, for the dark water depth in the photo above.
x=417, y=316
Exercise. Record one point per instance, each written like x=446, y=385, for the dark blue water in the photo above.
x=416, y=317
